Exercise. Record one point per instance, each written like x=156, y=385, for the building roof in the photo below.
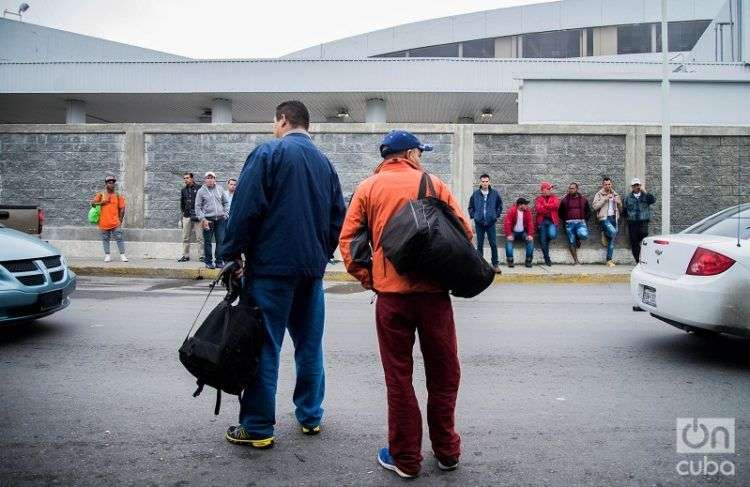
x=502, y=22
x=25, y=42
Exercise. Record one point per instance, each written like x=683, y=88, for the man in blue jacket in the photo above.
x=286, y=217
x=485, y=207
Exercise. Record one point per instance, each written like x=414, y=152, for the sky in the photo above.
x=234, y=28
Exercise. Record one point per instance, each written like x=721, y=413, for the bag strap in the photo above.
x=211, y=286
x=217, y=407
x=424, y=183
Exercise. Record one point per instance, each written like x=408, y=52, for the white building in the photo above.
x=571, y=61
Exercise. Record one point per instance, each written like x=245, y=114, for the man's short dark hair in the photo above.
x=295, y=112
x=606, y=178
x=485, y=175
x=231, y=179
x=189, y=174
x=573, y=183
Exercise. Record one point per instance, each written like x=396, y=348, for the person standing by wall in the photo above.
x=231, y=187
x=191, y=224
x=547, y=219
x=638, y=210
x=485, y=207
x=574, y=212
x=211, y=207
x=608, y=205
x=286, y=219
x=407, y=305
x=519, y=226
x=111, y=217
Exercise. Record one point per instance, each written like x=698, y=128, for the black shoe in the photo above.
x=210, y=266
x=510, y=264
x=238, y=436
x=183, y=259
x=201, y=258
x=547, y=261
x=527, y=263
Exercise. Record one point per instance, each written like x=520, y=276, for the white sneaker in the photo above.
x=107, y=258
x=123, y=258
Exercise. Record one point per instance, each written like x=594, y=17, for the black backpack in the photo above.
x=225, y=351
x=425, y=238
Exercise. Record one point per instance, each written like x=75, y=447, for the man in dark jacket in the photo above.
x=574, y=211
x=286, y=218
x=190, y=223
x=638, y=210
x=485, y=207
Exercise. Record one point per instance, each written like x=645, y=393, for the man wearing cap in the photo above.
x=111, y=217
x=638, y=211
x=286, y=219
x=407, y=305
x=519, y=226
x=211, y=208
x=547, y=219
x=485, y=207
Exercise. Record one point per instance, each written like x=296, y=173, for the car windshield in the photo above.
x=725, y=223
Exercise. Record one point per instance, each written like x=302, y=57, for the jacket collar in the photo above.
x=297, y=132
x=395, y=164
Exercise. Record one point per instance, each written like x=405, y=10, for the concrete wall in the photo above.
x=60, y=172
x=705, y=176
x=59, y=167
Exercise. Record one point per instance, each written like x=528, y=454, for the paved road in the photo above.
x=562, y=385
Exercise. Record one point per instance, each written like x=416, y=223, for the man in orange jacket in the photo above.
x=406, y=305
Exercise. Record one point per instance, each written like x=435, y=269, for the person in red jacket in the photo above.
x=547, y=219
x=518, y=225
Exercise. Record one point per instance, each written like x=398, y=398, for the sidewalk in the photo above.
x=171, y=269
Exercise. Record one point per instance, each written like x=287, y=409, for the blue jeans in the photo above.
x=108, y=235
x=547, y=232
x=216, y=230
x=609, y=227
x=294, y=304
x=576, y=229
x=491, y=240
x=519, y=237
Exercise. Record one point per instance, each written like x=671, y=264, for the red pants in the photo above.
x=398, y=316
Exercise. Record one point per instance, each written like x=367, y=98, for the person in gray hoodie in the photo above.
x=212, y=207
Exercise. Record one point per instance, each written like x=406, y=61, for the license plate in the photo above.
x=649, y=296
x=50, y=300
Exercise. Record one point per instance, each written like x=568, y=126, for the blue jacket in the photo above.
x=287, y=210
x=639, y=209
x=485, y=216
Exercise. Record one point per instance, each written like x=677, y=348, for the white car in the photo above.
x=698, y=280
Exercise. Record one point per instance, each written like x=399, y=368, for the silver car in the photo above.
x=35, y=280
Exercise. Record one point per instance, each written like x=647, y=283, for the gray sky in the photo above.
x=233, y=28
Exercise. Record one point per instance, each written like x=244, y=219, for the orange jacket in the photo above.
x=376, y=200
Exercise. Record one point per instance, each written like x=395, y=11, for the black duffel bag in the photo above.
x=426, y=239
x=225, y=351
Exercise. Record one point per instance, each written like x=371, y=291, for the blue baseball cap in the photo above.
x=401, y=140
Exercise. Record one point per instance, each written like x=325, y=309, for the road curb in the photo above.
x=338, y=276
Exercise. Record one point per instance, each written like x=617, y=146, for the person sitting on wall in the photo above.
x=518, y=225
